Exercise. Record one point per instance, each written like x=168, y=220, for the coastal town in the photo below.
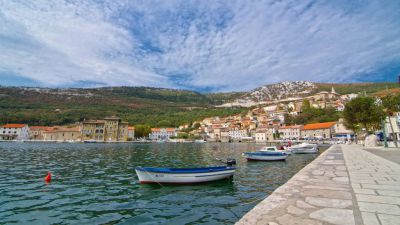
x=262, y=123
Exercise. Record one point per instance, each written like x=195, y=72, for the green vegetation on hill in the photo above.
x=368, y=88
x=137, y=105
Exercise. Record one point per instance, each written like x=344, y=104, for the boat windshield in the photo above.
x=268, y=149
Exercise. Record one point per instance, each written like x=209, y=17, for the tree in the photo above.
x=391, y=104
x=164, y=123
x=363, y=112
x=306, y=105
x=142, y=131
x=196, y=125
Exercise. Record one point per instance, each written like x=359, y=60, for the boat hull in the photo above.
x=305, y=150
x=148, y=177
x=265, y=157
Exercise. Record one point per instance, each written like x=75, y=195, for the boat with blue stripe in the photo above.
x=271, y=154
x=164, y=175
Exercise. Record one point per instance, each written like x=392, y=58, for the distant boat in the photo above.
x=199, y=141
x=304, y=148
x=266, y=154
x=148, y=175
x=90, y=141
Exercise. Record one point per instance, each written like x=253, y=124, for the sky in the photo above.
x=201, y=45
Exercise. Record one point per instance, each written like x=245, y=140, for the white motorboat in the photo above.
x=304, y=148
x=274, y=149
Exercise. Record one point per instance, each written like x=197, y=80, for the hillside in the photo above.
x=152, y=106
x=368, y=88
x=137, y=105
x=298, y=89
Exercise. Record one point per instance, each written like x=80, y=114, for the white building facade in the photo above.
x=14, y=132
x=162, y=133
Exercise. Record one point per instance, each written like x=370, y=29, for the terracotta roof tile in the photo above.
x=14, y=125
x=316, y=126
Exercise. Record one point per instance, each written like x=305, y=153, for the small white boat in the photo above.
x=274, y=149
x=304, y=148
x=148, y=175
x=266, y=155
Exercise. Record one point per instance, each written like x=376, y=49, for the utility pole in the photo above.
x=384, y=133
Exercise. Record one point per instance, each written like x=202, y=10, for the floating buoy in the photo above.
x=47, y=178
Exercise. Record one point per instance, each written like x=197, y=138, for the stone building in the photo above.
x=60, y=133
x=108, y=129
x=290, y=132
x=318, y=130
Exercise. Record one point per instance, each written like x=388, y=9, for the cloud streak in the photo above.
x=200, y=45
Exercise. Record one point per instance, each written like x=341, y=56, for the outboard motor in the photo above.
x=230, y=162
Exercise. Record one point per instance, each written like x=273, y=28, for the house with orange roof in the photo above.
x=162, y=133
x=292, y=132
x=62, y=133
x=36, y=132
x=318, y=130
x=131, y=133
x=14, y=131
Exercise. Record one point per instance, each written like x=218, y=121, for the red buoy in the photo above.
x=47, y=178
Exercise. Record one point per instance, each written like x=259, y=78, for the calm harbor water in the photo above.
x=96, y=183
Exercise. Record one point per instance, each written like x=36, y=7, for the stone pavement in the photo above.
x=322, y=193
x=391, y=154
x=376, y=184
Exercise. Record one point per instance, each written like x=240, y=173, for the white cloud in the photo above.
x=220, y=45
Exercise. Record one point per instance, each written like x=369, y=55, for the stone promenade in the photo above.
x=344, y=185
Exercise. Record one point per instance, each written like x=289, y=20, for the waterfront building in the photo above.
x=131, y=133
x=162, y=133
x=36, y=132
x=224, y=135
x=290, y=132
x=318, y=130
x=392, y=126
x=264, y=134
x=60, y=133
x=341, y=131
x=237, y=133
x=14, y=132
x=108, y=129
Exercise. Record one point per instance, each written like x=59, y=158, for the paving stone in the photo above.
x=364, y=191
x=328, y=202
x=327, y=188
x=369, y=218
x=318, y=172
x=333, y=162
x=382, y=187
x=304, y=205
x=341, y=174
x=327, y=193
x=294, y=210
x=379, y=208
x=389, y=219
x=378, y=199
x=334, y=216
x=291, y=220
x=341, y=179
x=388, y=193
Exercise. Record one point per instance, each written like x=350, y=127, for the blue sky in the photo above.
x=203, y=45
